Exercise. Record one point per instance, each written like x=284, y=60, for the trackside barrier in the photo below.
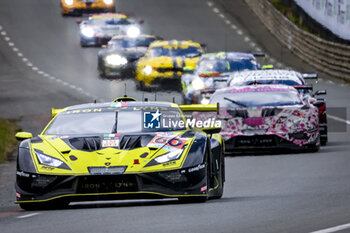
x=329, y=57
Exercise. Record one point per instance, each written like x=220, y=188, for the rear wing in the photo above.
x=55, y=111
x=200, y=108
x=310, y=75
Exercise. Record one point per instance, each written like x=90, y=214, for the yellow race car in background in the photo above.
x=166, y=61
x=77, y=7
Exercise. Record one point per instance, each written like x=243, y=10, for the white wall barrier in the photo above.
x=329, y=57
x=332, y=14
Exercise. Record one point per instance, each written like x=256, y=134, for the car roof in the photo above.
x=121, y=105
x=175, y=44
x=262, y=88
x=228, y=55
x=268, y=74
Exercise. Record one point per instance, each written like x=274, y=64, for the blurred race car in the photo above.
x=98, y=29
x=78, y=7
x=212, y=73
x=121, y=55
x=166, y=61
x=119, y=150
x=269, y=117
x=290, y=78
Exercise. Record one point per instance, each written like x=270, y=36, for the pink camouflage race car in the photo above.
x=258, y=117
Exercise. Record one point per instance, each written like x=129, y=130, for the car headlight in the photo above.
x=87, y=32
x=50, y=161
x=116, y=60
x=198, y=84
x=108, y=2
x=133, y=31
x=147, y=70
x=169, y=156
x=69, y=2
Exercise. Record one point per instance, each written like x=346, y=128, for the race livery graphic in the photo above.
x=266, y=117
x=119, y=150
x=290, y=78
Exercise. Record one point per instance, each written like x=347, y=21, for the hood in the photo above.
x=132, y=151
x=171, y=62
x=131, y=54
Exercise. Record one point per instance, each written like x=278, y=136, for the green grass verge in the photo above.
x=288, y=12
x=8, y=140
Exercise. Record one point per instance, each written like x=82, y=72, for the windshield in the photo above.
x=256, y=99
x=111, y=121
x=109, y=21
x=191, y=51
x=213, y=66
x=130, y=43
x=226, y=65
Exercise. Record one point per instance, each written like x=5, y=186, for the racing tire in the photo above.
x=199, y=199
x=142, y=87
x=324, y=141
x=220, y=190
x=83, y=45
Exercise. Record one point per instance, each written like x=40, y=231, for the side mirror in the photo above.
x=258, y=54
x=212, y=130
x=204, y=46
x=320, y=92
x=140, y=21
x=310, y=75
x=20, y=136
x=267, y=67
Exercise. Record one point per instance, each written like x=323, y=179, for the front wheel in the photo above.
x=221, y=179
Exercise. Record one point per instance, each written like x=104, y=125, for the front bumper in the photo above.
x=83, y=8
x=158, y=77
x=122, y=72
x=94, y=41
x=33, y=188
x=269, y=142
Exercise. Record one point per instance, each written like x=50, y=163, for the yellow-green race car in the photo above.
x=120, y=150
x=166, y=61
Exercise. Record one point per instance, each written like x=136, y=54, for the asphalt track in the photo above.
x=43, y=66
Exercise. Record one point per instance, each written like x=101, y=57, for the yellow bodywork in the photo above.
x=55, y=147
x=81, y=5
x=166, y=62
x=106, y=157
x=134, y=161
